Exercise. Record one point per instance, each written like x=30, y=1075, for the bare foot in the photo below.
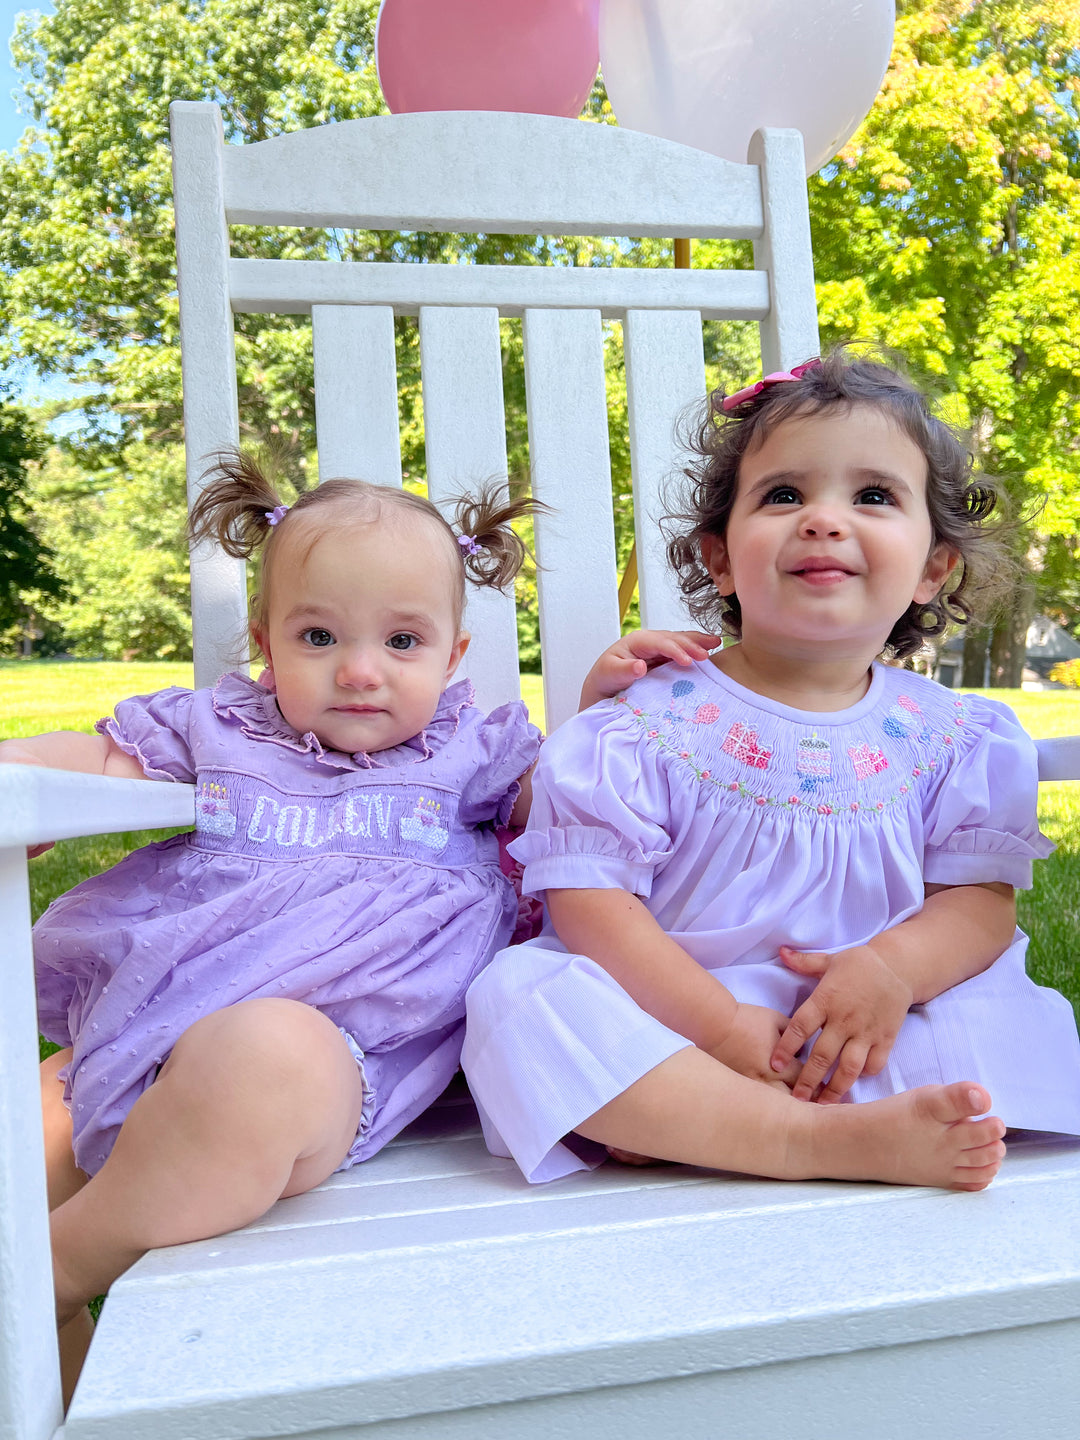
x=631, y=1157
x=921, y=1137
x=75, y=1339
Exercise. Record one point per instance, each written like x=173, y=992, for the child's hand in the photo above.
x=635, y=654
x=751, y=1043
x=859, y=1004
x=14, y=752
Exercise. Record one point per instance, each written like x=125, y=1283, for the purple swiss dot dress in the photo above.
x=365, y=885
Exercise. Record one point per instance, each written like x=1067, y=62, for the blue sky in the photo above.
x=11, y=123
x=25, y=385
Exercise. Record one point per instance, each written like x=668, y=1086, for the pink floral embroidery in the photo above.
x=867, y=761
x=742, y=743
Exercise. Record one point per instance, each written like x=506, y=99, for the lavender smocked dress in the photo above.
x=744, y=824
x=365, y=885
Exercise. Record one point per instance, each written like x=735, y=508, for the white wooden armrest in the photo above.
x=38, y=804
x=1059, y=759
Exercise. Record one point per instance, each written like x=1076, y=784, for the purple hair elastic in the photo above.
x=468, y=545
x=275, y=516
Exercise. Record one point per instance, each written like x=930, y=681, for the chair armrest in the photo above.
x=1059, y=759
x=37, y=804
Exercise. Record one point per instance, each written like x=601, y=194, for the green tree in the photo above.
x=948, y=228
x=117, y=535
x=25, y=561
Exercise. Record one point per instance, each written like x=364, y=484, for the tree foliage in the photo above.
x=946, y=229
x=25, y=562
x=949, y=229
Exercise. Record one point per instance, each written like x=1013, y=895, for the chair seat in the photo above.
x=432, y=1292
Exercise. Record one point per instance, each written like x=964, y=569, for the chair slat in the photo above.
x=293, y=287
x=465, y=445
x=356, y=398
x=789, y=334
x=1059, y=759
x=665, y=373
x=500, y=173
x=208, y=365
x=571, y=472
x=29, y=1374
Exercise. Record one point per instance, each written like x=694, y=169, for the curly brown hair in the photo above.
x=240, y=510
x=959, y=500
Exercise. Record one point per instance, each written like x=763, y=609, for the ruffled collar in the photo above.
x=255, y=710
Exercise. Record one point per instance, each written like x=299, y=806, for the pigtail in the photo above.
x=492, y=552
x=237, y=505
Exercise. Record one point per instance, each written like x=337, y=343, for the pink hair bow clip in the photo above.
x=732, y=402
x=275, y=516
x=468, y=545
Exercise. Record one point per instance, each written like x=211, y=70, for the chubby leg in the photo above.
x=256, y=1101
x=64, y=1179
x=62, y=1175
x=693, y=1109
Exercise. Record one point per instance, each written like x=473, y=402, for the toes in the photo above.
x=975, y=1159
x=977, y=1179
x=982, y=1132
x=959, y=1101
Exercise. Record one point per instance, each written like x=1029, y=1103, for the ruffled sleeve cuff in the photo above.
x=981, y=857
x=154, y=729
x=583, y=858
x=502, y=746
x=981, y=824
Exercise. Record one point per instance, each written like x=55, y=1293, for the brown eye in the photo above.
x=402, y=641
x=318, y=638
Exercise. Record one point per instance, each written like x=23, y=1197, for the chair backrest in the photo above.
x=503, y=174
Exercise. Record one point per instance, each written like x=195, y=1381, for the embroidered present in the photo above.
x=742, y=744
x=867, y=760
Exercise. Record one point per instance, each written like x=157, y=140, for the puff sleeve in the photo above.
x=503, y=745
x=981, y=823
x=599, y=811
x=156, y=730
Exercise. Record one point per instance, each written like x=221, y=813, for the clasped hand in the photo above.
x=858, y=1004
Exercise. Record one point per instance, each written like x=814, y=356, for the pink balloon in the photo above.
x=538, y=56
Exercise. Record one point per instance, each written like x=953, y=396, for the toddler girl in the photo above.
x=272, y=997
x=789, y=838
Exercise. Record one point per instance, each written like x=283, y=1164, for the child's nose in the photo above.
x=359, y=668
x=822, y=522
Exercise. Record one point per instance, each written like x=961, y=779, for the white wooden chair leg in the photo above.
x=30, y=1405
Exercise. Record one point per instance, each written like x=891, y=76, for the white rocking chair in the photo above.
x=431, y=1292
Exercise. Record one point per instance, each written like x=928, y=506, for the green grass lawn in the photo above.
x=53, y=695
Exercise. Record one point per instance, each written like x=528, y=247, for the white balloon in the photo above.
x=710, y=72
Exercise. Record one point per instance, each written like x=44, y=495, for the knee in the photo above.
x=282, y=1045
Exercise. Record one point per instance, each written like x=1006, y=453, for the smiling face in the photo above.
x=829, y=539
x=363, y=631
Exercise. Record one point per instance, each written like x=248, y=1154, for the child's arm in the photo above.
x=72, y=750
x=619, y=666
x=635, y=654
x=863, y=994
x=614, y=928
